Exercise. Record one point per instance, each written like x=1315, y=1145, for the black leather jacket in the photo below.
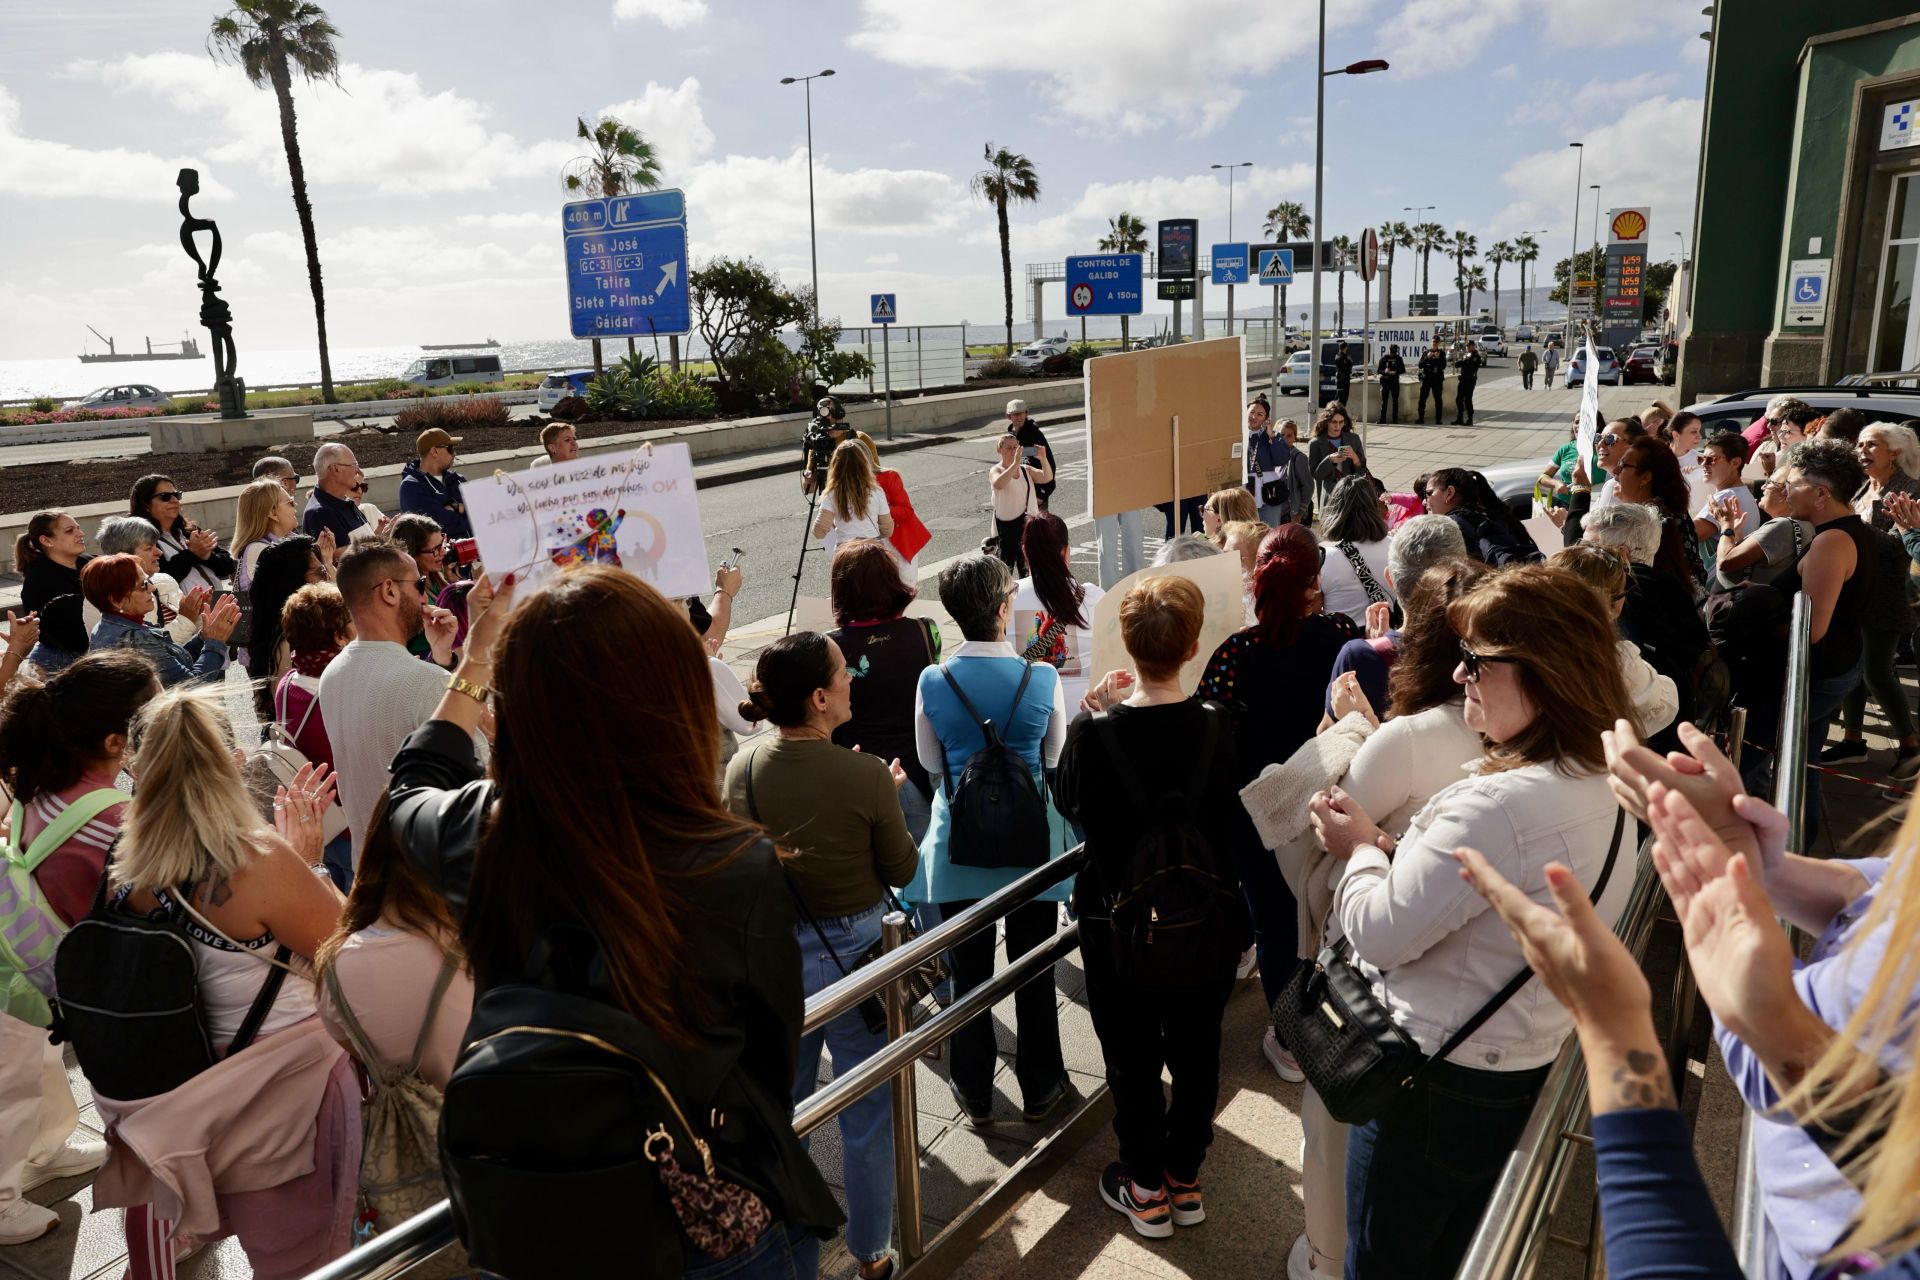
x=737, y=928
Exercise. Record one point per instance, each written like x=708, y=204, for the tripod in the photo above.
x=806, y=537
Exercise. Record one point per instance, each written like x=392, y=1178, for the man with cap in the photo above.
x=1034, y=442
x=827, y=432
x=429, y=485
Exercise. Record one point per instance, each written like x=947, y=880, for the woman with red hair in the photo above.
x=1272, y=679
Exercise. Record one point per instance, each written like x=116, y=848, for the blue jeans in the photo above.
x=782, y=1253
x=337, y=857
x=866, y=1127
x=1419, y=1175
x=1121, y=547
x=50, y=659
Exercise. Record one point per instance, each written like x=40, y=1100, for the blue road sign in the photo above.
x=627, y=265
x=1104, y=284
x=884, y=310
x=1230, y=263
x=1276, y=266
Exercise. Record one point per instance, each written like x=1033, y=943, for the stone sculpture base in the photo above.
x=210, y=433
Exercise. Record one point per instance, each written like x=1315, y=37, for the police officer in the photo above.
x=1390, y=371
x=1433, y=377
x=1470, y=363
x=825, y=433
x=1343, y=374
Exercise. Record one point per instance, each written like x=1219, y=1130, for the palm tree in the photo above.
x=1286, y=221
x=1343, y=257
x=270, y=40
x=1125, y=234
x=621, y=161
x=1525, y=250
x=1008, y=178
x=1464, y=245
x=1499, y=254
x=1393, y=235
x=1469, y=281
x=1427, y=237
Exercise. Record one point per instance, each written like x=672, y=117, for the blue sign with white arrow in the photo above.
x=1230, y=263
x=1104, y=284
x=627, y=265
x=1276, y=266
x=885, y=310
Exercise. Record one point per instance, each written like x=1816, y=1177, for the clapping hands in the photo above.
x=22, y=633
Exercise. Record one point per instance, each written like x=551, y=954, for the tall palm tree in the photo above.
x=1525, y=250
x=270, y=40
x=1427, y=237
x=1499, y=253
x=1286, y=221
x=1344, y=256
x=1393, y=235
x=1008, y=179
x=1125, y=234
x=621, y=161
x=1464, y=245
x=1469, y=281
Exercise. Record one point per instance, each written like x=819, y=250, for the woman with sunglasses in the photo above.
x=1649, y=474
x=191, y=555
x=1542, y=682
x=119, y=588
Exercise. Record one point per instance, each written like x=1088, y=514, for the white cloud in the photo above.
x=510, y=221
x=672, y=14
x=758, y=204
x=1202, y=196
x=380, y=129
x=40, y=167
x=1449, y=35
x=882, y=259
x=671, y=119
x=1510, y=71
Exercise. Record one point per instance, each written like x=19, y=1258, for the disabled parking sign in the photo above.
x=1807, y=292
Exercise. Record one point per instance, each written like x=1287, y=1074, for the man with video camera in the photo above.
x=825, y=433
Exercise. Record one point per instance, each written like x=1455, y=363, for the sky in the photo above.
x=434, y=164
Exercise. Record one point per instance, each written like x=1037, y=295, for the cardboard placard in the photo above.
x=637, y=511
x=1132, y=400
x=1218, y=578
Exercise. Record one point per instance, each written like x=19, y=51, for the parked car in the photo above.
x=1491, y=342
x=1667, y=363
x=1643, y=365
x=129, y=395
x=1606, y=373
x=1524, y=334
x=556, y=387
x=1296, y=375
x=1029, y=358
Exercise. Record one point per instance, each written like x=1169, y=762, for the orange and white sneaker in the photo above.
x=1151, y=1215
x=1189, y=1206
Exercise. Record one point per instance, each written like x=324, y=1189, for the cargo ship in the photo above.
x=188, y=350
x=458, y=346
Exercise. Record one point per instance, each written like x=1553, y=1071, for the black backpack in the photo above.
x=996, y=814
x=564, y=1114
x=129, y=1001
x=1174, y=908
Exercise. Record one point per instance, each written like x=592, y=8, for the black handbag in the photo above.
x=1356, y=1057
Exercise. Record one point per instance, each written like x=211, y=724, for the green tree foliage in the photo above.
x=740, y=309
x=1592, y=263
x=1288, y=220
x=1125, y=234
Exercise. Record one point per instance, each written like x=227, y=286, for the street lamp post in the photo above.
x=1573, y=249
x=1319, y=230
x=813, y=243
x=1416, y=210
x=1244, y=164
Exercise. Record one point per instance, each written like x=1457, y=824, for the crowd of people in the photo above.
x=420, y=964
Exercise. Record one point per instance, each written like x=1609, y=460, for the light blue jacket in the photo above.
x=199, y=658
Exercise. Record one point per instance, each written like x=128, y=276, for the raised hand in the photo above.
x=1111, y=690
x=1902, y=509
x=194, y=603
x=1379, y=619
x=899, y=774
x=1703, y=774
x=202, y=542
x=22, y=633
x=1347, y=696
x=487, y=610
x=1729, y=514
x=327, y=545
x=218, y=622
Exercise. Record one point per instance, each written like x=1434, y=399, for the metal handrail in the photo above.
x=392, y=1253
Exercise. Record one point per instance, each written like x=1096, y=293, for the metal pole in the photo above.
x=1319, y=227
x=906, y=1119
x=1276, y=350
x=813, y=242
x=1230, y=241
x=920, y=362
x=886, y=361
x=1573, y=249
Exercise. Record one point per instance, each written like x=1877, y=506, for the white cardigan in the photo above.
x=1436, y=950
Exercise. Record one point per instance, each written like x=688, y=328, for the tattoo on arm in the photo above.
x=1642, y=1082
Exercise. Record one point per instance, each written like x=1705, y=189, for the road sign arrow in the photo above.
x=669, y=272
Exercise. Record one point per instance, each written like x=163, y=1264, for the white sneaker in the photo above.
x=1284, y=1064
x=23, y=1220
x=1303, y=1262
x=1248, y=959
x=79, y=1156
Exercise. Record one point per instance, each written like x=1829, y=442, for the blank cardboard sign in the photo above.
x=1132, y=400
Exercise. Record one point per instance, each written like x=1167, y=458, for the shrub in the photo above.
x=618, y=394
x=681, y=395
x=451, y=415
x=33, y=418
x=1083, y=351
x=44, y=404
x=1000, y=368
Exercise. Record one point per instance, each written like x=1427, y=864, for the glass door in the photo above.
x=1895, y=345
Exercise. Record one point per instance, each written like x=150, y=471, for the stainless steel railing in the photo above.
x=394, y=1252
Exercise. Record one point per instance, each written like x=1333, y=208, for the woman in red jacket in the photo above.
x=909, y=534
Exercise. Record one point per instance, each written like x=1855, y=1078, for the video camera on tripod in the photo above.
x=825, y=433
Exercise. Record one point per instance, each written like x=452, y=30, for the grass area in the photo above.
x=380, y=389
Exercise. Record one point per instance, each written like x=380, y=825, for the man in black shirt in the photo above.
x=1470, y=363
x=1433, y=377
x=1343, y=374
x=334, y=503
x=1392, y=366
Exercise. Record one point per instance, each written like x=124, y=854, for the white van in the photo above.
x=446, y=371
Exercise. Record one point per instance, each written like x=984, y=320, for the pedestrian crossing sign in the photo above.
x=1276, y=266
x=884, y=310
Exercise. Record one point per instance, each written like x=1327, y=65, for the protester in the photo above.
x=333, y=506
x=1680, y=432
x=1053, y=610
x=317, y=626
x=1845, y=425
x=1649, y=474
x=1891, y=458
x=49, y=557
x=61, y=745
x=977, y=591
x=192, y=849
x=886, y=651
x=1160, y=1018
x=1654, y=697
x=1269, y=676
x=683, y=906
x=1352, y=576
x=1223, y=508
x=1336, y=452
x=1278, y=473
x=375, y=692
x=263, y=514
x=1541, y=684
x=1033, y=442
x=283, y=568
x=122, y=592
x=176, y=611
x=426, y=542
x=1778, y=408
x=852, y=505
x=1771, y=545
x=1489, y=530
x=1013, y=488
x=1416, y=546
x=1610, y=443
x=910, y=534
x=429, y=485
x=1723, y=460
x=22, y=634
x=561, y=442
x=1658, y=615
x=1557, y=479
x=191, y=555
x=836, y=818
x=376, y=519
x=1789, y=429
x=1186, y=546
x=276, y=468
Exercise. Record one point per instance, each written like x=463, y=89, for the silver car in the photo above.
x=128, y=395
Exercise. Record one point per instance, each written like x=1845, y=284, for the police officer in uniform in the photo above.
x=1343, y=374
x=1470, y=363
x=1390, y=371
x=1433, y=377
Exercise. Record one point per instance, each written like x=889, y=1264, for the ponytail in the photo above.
x=51, y=733
x=26, y=547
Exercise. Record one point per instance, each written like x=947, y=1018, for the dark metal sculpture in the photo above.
x=214, y=312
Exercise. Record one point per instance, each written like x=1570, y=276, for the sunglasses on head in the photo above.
x=1474, y=661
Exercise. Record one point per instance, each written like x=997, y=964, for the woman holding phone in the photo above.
x=1336, y=452
x=1014, y=487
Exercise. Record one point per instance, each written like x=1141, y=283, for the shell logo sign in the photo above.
x=1628, y=224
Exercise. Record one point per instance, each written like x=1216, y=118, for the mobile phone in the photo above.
x=1032, y=451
